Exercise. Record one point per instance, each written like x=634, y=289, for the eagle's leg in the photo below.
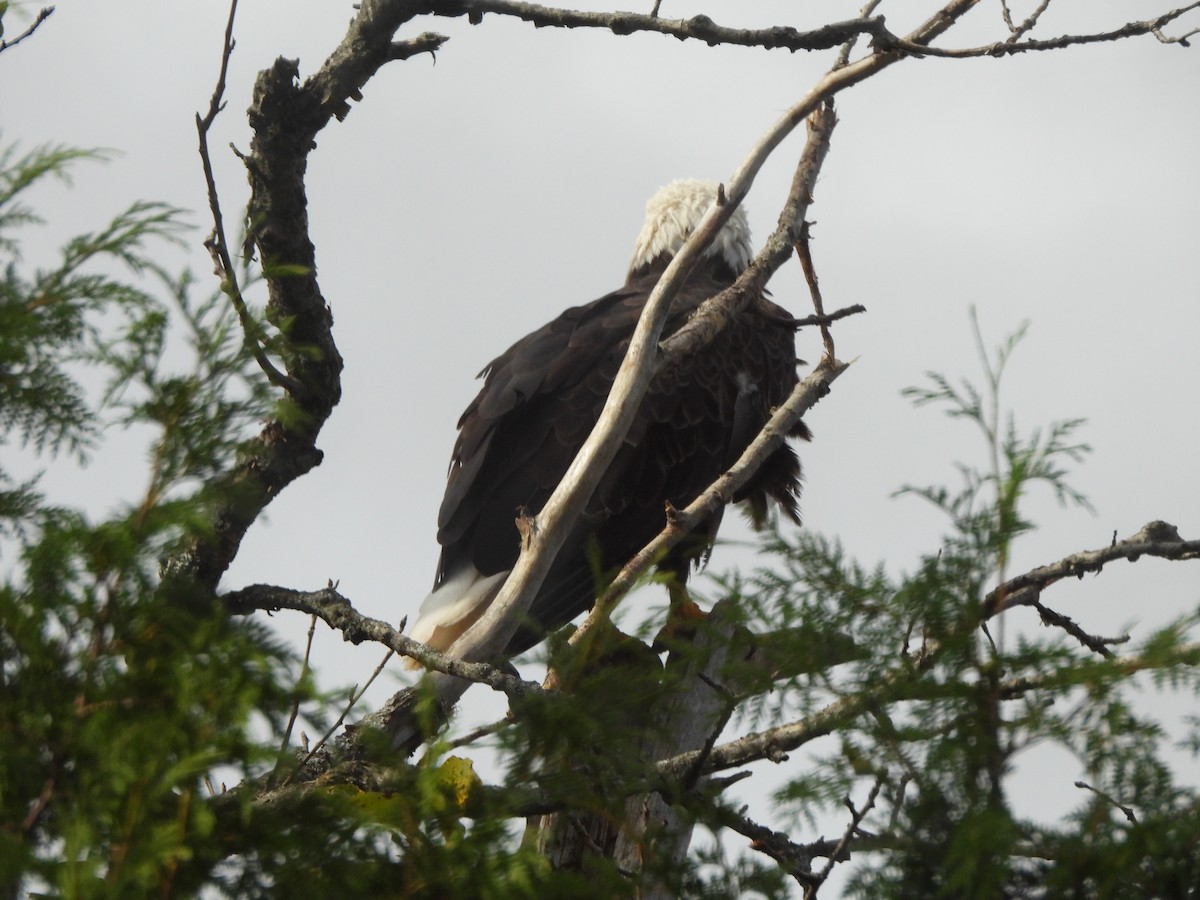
x=682, y=617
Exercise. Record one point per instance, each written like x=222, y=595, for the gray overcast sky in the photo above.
x=465, y=202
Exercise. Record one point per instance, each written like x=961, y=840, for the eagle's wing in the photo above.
x=539, y=401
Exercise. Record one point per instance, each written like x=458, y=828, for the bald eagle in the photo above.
x=542, y=396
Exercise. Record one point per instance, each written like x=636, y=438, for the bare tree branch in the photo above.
x=804, y=253
x=1124, y=666
x=856, y=818
x=1154, y=539
x=700, y=28
x=1012, y=46
x=795, y=859
x=1016, y=32
x=1066, y=623
x=41, y=17
x=832, y=317
x=1126, y=810
x=426, y=42
x=338, y=613
x=775, y=743
x=217, y=244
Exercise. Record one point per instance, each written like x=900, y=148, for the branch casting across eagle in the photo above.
x=541, y=398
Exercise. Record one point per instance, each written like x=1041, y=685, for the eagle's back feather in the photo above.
x=540, y=400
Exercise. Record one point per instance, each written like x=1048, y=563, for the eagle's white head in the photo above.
x=675, y=211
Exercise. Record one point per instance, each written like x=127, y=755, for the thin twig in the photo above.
x=1019, y=31
x=856, y=818
x=354, y=698
x=1006, y=15
x=216, y=243
x=42, y=16
x=1010, y=47
x=481, y=732
x=1093, y=642
x=832, y=317
x=287, y=733
x=34, y=815
x=1128, y=811
x=804, y=253
x=843, y=57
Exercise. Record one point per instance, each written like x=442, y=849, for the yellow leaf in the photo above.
x=459, y=775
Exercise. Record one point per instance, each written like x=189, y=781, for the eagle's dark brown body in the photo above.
x=539, y=401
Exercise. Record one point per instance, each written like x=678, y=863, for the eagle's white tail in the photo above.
x=453, y=607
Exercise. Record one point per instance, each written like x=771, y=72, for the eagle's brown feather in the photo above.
x=542, y=396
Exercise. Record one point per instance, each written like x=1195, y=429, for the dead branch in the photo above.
x=1093, y=642
x=1013, y=45
x=41, y=17
x=1154, y=539
x=426, y=42
x=775, y=743
x=795, y=859
x=218, y=246
x=1108, y=798
x=339, y=614
x=1119, y=666
x=804, y=253
x=700, y=28
x=856, y=818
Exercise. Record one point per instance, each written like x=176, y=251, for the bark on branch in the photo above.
x=699, y=27
x=1154, y=539
x=339, y=614
x=41, y=17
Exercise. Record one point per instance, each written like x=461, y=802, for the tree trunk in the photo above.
x=655, y=831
